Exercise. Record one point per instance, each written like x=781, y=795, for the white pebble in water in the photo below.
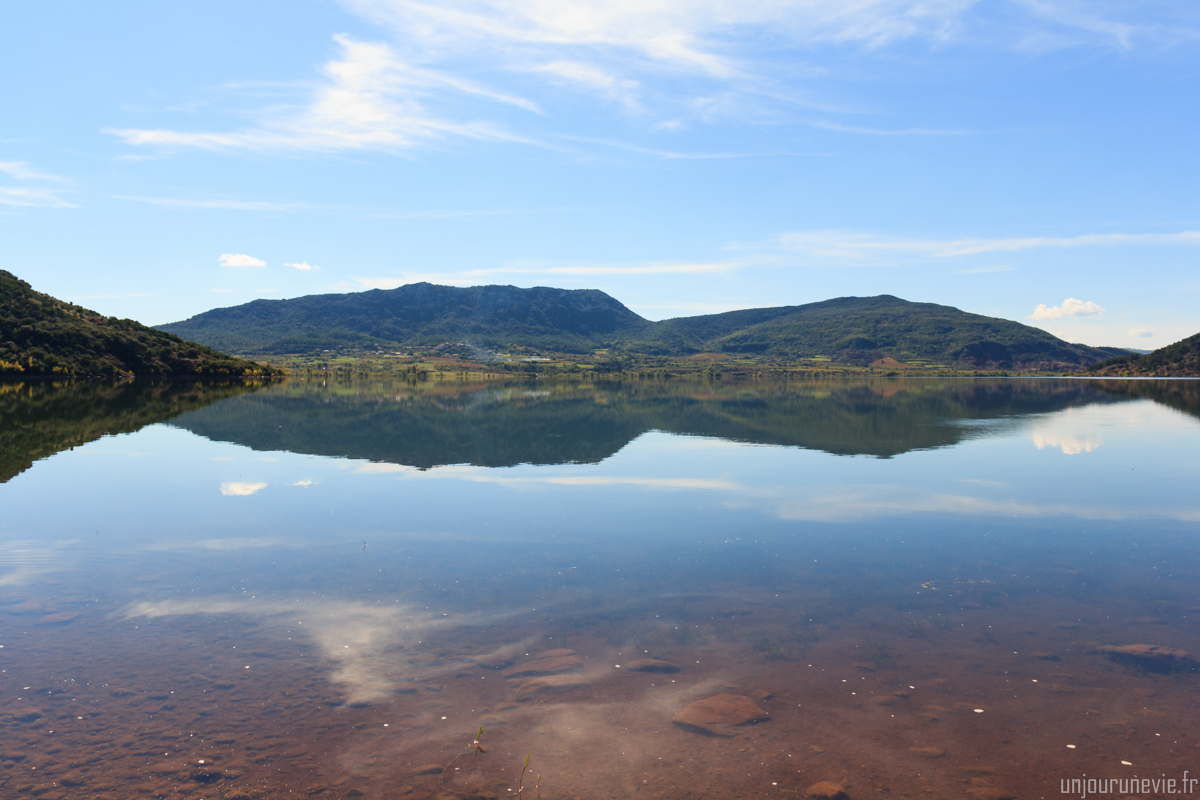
x=1071, y=746
x=979, y=711
x=1127, y=763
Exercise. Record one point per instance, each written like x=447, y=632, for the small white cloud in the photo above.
x=1069, y=308
x=303, y=266
x=240, y=260
x=1140, y=333
x=238, y=489
x=305, y=483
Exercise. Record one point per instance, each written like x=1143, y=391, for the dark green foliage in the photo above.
x=861, y=330
x=850, y=330
x=40, y=335
x=1179, y=360
x=571, y=321
x=41, y=418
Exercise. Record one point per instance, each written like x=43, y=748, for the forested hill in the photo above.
x=40, y=335
x=417, y=313
x=853, y=330
x=862, y=330
x=1179, y=360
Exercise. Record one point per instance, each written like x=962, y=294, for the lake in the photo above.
x=900, y=588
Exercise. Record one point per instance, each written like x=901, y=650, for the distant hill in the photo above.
x=863, y=330
x=417, y=313
x=851, y=330
x=1179, y=360
x=40, y=335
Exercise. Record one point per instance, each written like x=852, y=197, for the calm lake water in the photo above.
x=325, y=589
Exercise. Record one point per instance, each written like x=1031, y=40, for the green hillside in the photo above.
x=861, y=330
x=847, y=330
x=40, y=335
x=1179, y=360
x=415, y=314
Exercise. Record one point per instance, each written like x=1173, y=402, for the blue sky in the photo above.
x=1035, y=160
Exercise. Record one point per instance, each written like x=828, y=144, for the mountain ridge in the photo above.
x=852, y=330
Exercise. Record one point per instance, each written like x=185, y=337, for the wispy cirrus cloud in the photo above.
x=834, y=126
x=373, y=212
x=1069, y=308
x=218, y=204
x=720, y=39
x=32, y=188
x=861, y=247
x=474, y=276
x=369, y=99
x=452, y=67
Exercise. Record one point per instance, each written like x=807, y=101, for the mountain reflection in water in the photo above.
x=559, y=423
x=41, y=418
x=655, y=589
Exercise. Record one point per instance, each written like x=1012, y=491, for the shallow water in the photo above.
x=314, y=589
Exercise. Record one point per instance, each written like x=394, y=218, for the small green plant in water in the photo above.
x=478, y=749
x=521, y=783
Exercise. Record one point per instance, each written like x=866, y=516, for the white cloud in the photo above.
x=474, y=276
x=23, y=172
x=858, y=246
x=369, y=100
x=834, y=126
x=366, y=648
x=242, y=543
x=240, y=489
x=111, y=296
x=229, y=205
x=594, y=79
x=702, y=484
x=240, y=260
x=1069, y=444
x=1140, y=333
x=1069, y=308
x=693, y=59
x=720, y=38
x=26, y=195
x=303, y=266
